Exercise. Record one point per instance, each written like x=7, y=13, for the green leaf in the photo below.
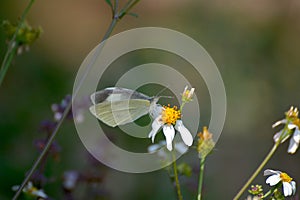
x=109, y=3
x=133, y=15
x=184, y=169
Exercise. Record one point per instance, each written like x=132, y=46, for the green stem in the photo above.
x=179, y=195
x=271, y=191
x=66, y=111
x=202, y=163
x=115, y=9
x=267, y=158
x=12, y=46
x=110, y=29
x=182, y=105
x=7, y=61
x=127, y=8
x=43, y=153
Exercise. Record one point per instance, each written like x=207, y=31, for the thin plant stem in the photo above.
x=43, y=153
x=264, y=162
x=115, y=9
x=201, y=173
x=110, y=29
x=12, y=46
x=181, y=107
x=127, y=7
x=65, y=113
x=179, y=195
x=7, y=61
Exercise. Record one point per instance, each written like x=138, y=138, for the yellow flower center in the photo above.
x=206, y=135
x=285, y=178
x=297, y=122
x=186, y=94
x=170, y=115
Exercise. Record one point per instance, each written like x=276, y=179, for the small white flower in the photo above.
x=31, y=190
x=167, y=118
x=187, y=95
x=289, y=186
x=295, y=139
x=70, y=179
x=292, y=123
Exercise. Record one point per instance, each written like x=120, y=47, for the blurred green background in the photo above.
x=255, y=45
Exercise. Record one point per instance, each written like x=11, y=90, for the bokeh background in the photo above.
x=255, y=45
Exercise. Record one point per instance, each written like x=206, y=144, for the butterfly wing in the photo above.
x=116, y=94
x=115, y=113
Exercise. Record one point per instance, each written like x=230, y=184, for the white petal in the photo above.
x=185, y=89
x=293, y=184
x=273, y=180
x=277, y=136
x=15, y=187
x=191, y=92
x=70, y=179
x=268, y=172
x=184, y=133
x=156, y=125
x=152, y=135
x=278, y=123
x=287, y=189
x=57, y=116
x=40, y=193
x=292, y=126
x=293, y=146
x=169, y=133
x=28, y=187
x=154, y=147
x=296, y=135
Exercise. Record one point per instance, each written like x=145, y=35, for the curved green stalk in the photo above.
x=7, y=61
x=260, y=167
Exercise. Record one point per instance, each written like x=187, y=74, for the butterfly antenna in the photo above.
x=168, y=97
x=161, y=91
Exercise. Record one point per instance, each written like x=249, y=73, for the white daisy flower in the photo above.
x=275, y=177
x=166, y=120
x=293, y=124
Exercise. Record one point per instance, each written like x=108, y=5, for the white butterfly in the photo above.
x=118, y=106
